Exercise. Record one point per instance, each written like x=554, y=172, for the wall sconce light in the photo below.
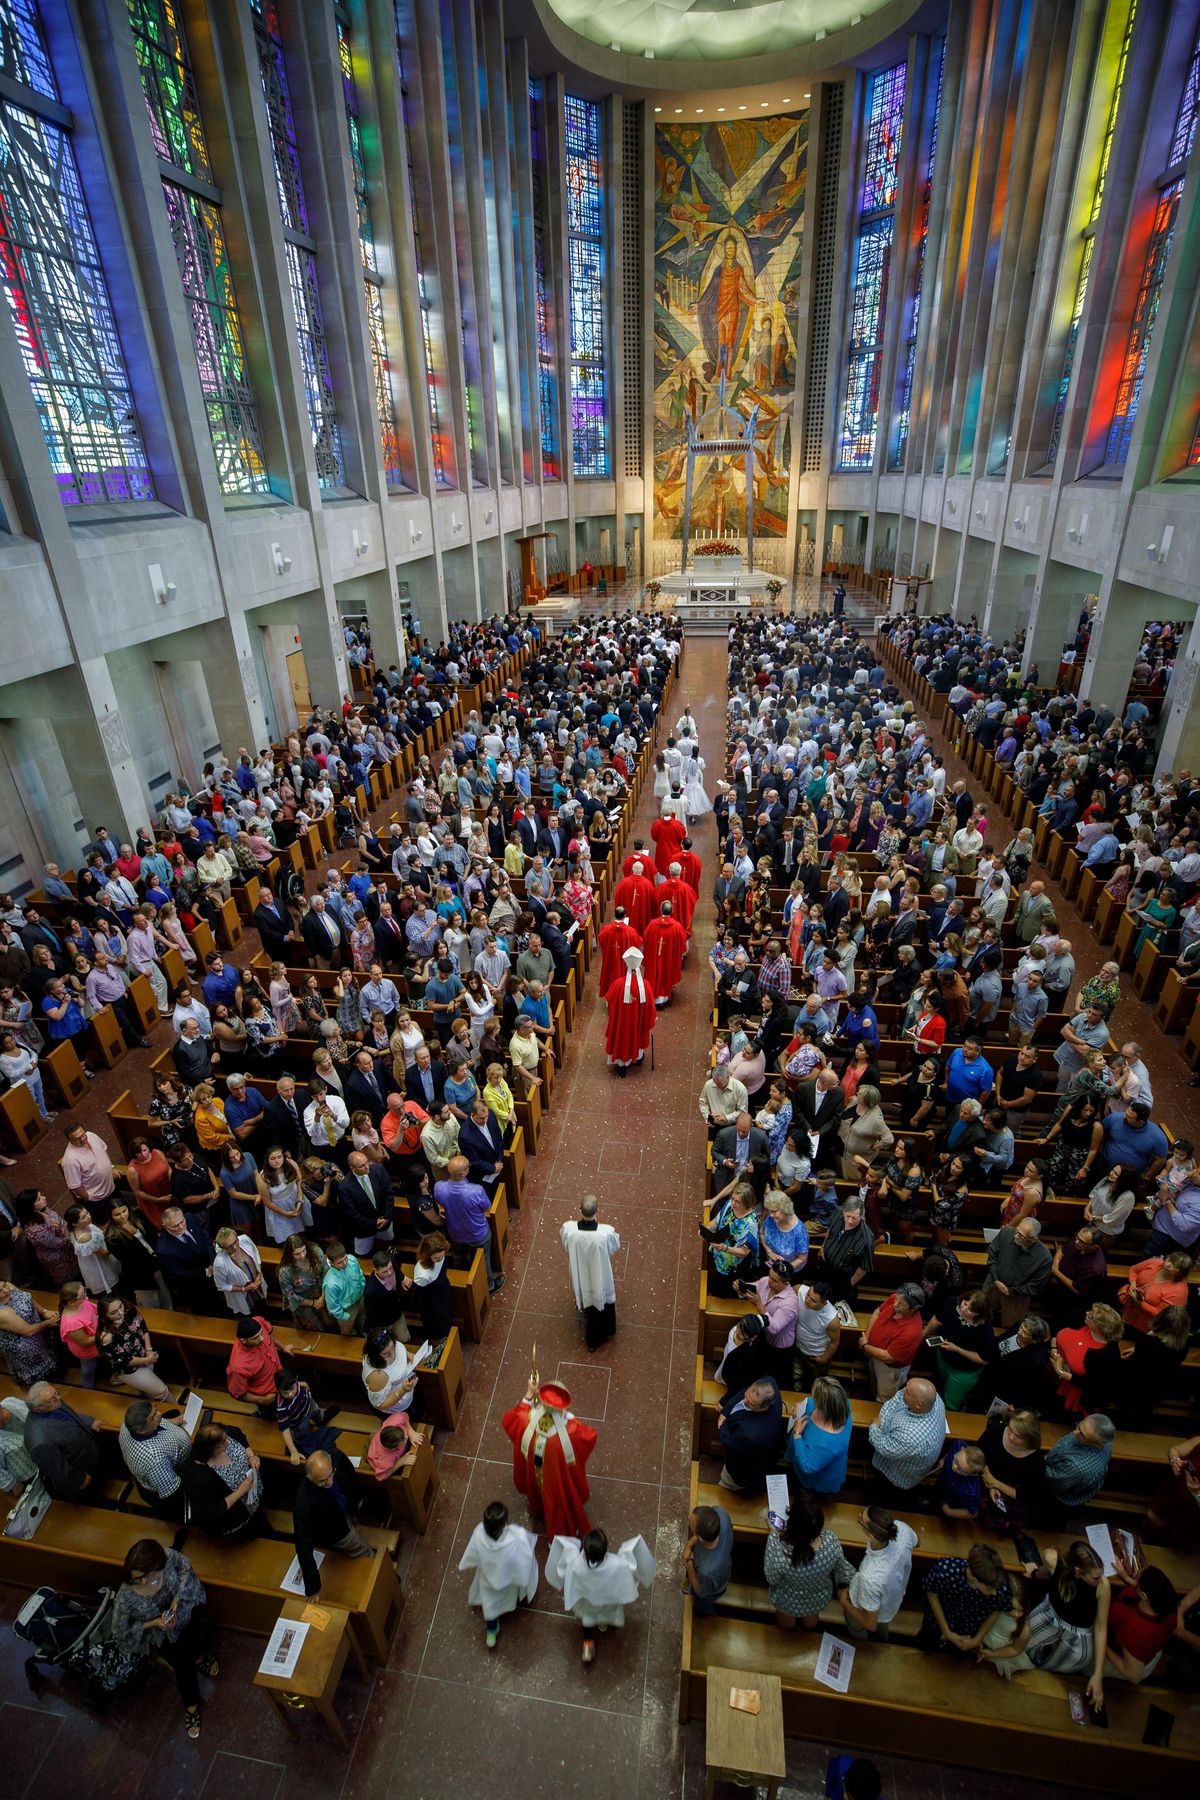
x=488, y=517
x=456, y=525
x=282, y=563
x=1022, y=522
x=952, y=508
x=167, y=594
x=415, y=534
x=1078, y=531
x=361, y=545
x=164, y=591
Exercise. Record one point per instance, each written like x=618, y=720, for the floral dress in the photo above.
x=28, y=1359
x=50, y=1240
x=301, y=1287
x=131, y=1610
x=948, y=1203
x=802, y=1589
x=174, y=1117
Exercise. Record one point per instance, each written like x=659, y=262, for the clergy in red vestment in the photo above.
x=635, y=892
x=631, y=1015
x=616, y=938
x=683, y=900
x=639, y=853
x=666, y=946
x=668, y=835
x=550, y=1451
x=690, y=866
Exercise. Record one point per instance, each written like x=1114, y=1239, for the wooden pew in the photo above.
x=79, y=1548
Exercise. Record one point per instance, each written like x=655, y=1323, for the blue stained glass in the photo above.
x=883, y=130
x=1145, y=313
x=23, y=54
x=56, y=293
x=440, y=446
x=547, y=360
x=585, y=247
x=904, y=421
x=1189, y=107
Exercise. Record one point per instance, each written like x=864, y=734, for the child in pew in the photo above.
x=394, y=1446
x=960, y=1483
x=825, y=1202
x=299, y=1418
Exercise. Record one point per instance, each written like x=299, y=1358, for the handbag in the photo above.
x=26, y=1516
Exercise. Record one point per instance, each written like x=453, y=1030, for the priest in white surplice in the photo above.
x=590, y=1248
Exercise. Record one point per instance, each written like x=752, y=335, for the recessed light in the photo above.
x=658, y=109
x=699, y=109
x=786, y=101
x=808, y=96
x=679, y=109
x=720, y=109
x=741, y=109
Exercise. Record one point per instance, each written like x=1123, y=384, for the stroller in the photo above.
x=70, y=1634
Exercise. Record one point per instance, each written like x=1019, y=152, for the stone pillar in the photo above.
x=1113, y=646
x=1179, y=739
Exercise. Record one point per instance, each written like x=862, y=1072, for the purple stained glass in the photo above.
x=883, y=129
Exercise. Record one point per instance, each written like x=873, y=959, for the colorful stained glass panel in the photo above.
x=585, y=245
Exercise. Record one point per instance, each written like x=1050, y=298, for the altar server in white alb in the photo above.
x=504, y=1558
x=598, y=1584
x=590, y=1248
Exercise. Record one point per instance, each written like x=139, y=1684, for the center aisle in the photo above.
x=638, y=1145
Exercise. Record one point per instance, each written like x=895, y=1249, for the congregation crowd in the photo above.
x=309, y=1132
x=918, y=1085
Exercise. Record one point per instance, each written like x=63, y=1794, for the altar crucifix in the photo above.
x=722, y=432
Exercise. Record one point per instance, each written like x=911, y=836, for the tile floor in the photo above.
x=445, y=1717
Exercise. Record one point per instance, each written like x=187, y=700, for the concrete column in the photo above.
x=1179, y=738
x=1112, y=650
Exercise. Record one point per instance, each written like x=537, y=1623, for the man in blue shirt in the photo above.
x=244, y=1107
x=969, y=1076
x=1133, y=1141
x=467, y=1210
x=223, y=983
x=1105, y=852
x=920, y=807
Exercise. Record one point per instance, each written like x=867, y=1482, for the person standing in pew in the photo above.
x=906, y=1440
x=63, y=1443
x=185, y=1255
x=253, y=1365
x=155, y=1451
x=364, y=1197
x=750, y=1426
x=963, y=1600
x=707, y=1558
x=876, y=1593
x=323, y=1515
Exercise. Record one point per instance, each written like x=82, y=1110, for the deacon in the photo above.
x=616, y=938
x=682, y=898
x=631, y=1016
x=634, y=895
x=690, y=866
x=590, y=1248
x=668, y=834
x=550, y=1450
x=666, y=946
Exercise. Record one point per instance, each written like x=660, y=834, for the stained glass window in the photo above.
x=547, y=361
x=377, y=334
x=1158, y=254
x=882, y=130
x=195, y=222
x=1141, y=330
x=301, y=260
x=1089, y=239
x=910, y=354
x=468, y=325
x=442, y=446
x=55, y=289
x=585, y=248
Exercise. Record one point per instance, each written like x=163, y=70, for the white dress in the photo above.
x=695, y=799
x=506, y=1570
x=599, y=1596
x=662, y=781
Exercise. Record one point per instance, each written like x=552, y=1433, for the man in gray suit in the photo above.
x=63, y=1443
x=741, y=1148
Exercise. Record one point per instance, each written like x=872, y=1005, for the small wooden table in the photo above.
x=743, y=1747
x=314, y=1680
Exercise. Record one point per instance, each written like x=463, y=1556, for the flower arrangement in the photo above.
x=716, y=547
x=774, y=587
x=653, y=590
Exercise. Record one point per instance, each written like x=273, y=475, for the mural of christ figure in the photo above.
x=726, y=306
